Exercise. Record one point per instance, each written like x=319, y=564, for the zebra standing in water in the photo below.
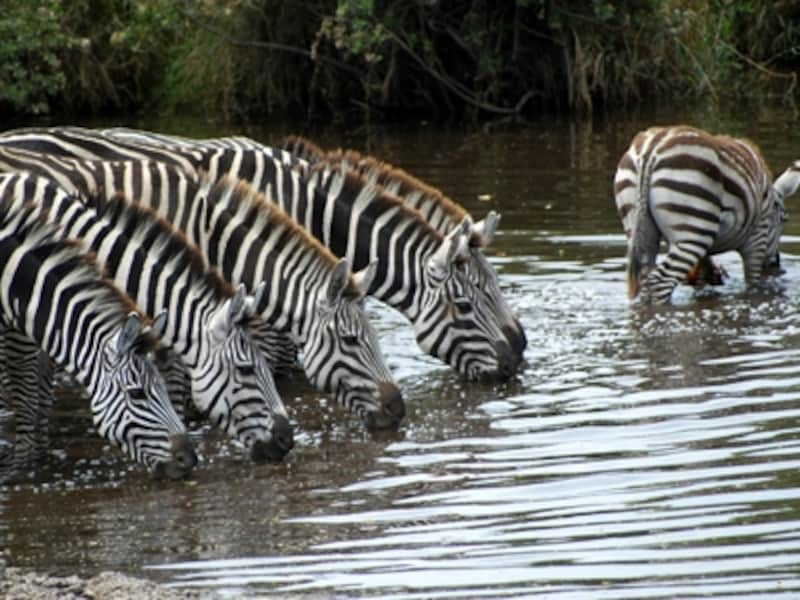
x=312, y=296
x=703, y=194
x=230, y=380
x=52, y=293
x=441, y=212
x=430, y=281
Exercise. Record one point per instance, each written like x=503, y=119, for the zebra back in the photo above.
x=52, y=292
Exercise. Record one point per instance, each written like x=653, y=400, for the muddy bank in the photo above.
x=19, y=584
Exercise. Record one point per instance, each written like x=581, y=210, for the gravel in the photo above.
x=19, y=584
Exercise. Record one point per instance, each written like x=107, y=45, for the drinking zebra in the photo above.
x=230, y=382
x=444, y=215
x=312, y=297
x=53, y=294
x=426, y=278
x=704, y=194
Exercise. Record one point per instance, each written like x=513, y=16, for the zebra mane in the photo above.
x=379, y=172
x=303, y=148
x=239, y=197
x=44, y=241
x=354, y=183
x=165, y=241
x=385, y=175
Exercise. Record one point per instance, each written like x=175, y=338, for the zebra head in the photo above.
x=131, y=408
x=233, y=386
x=485, y=279
x=457, y=322
x=342, y=354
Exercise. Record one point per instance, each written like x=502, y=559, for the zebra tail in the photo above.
x=645, y=236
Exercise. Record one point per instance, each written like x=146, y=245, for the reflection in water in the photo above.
x=639, y=454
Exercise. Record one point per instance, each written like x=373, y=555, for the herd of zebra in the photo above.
x=165, y=272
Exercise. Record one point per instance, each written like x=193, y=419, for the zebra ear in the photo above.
x=159, y=324
x=454, y=244
x=366, y=276
x=483, y=231
x=226, y=315
x=339, y=280
x=253, y=302
x=129, y=333
x=789, y=181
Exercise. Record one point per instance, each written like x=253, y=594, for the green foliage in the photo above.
x=239, y=59
x=31, y=45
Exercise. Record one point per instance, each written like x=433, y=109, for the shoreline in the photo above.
x=22, y=584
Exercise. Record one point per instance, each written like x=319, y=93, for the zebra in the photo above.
x=704, y=194
x=453, y=320
x=436, y=208
x=230, y=380
x=53, y=294
x=313, y=297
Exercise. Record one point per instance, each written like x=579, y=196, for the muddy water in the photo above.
x=636, y=456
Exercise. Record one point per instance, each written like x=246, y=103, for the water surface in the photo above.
x=636, y=456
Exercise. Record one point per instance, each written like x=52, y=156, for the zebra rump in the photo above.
x=703, y=194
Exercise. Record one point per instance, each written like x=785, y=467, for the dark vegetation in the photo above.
x=377, y=60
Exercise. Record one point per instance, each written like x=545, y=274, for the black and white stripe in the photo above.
x=230, y=381
x=428, y=279
x=53, y=295
x=441, y=212
x=312, y=297
x=703, y=194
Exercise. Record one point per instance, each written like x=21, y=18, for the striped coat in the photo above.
x=703, y=194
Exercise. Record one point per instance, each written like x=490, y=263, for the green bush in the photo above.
x=32, y=43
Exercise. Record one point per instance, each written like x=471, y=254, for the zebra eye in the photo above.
x=463, y=306
x=350, y=340
x=247, y=370
x=137, y=395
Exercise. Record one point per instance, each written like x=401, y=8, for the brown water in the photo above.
x=635, y=457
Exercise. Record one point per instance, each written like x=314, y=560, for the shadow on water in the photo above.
x=638, y=454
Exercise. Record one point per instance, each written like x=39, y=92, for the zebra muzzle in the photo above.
x=392, y=408
x=280, y=443
x=182, y=462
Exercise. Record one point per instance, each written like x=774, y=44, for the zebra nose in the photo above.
x=507, y=360
x=183, y=458
x=516, y=338
x=392, y=410
x=278, y=446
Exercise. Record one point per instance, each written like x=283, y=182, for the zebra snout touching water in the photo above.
x=342, y=353
x=51, y=292
x=704, y=194
x=146, y=405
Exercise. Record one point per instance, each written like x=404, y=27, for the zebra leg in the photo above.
x=753, y=256
x=706, y=272
x=22, y=359
x=681, y=258
x=45, y=403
